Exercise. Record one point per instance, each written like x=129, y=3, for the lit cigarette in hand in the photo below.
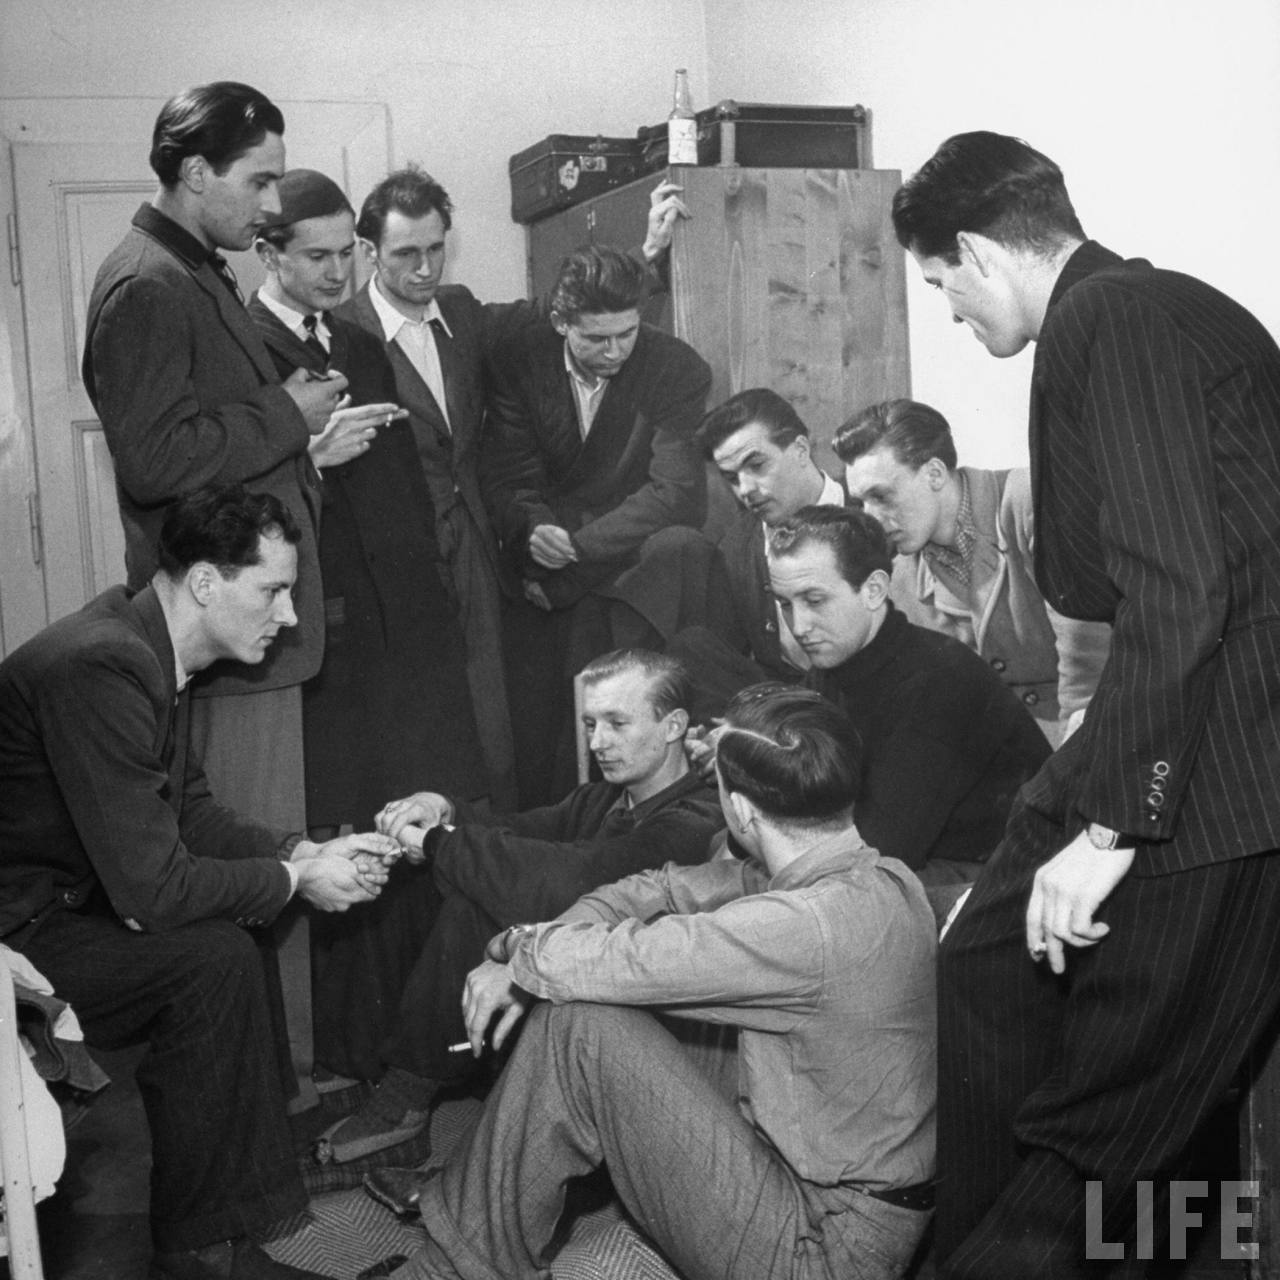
x=412, y=837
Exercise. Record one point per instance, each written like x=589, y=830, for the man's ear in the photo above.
x=677, y=724
x=744, y=812
x=936, y=473
x=268, y=254
x=975, y=249
x=369, y=249
x=193, y=172
x=875, y=590
x=202, y=581
x=559, y=323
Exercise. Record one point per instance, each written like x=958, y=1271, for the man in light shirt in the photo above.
x=814, y=947
x=437, y=336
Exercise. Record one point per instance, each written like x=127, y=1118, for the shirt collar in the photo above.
x=832, y=494
x=957, y=559
x=834, y=853
x=177, y=239
x=289, y=317
x=392, y=321
x=571, y=365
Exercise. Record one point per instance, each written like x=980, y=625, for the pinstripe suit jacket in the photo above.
x=1155, y=456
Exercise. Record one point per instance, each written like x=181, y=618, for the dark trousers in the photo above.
x=222, y=1158
x=431, y=1006
x=1104, y=1074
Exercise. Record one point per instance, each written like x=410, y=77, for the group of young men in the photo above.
x=879, y=727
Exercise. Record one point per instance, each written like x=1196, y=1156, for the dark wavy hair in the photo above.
x=222, y=524
x=409, y=191
x=597, y=280
x=220, y=121
x=755, y=404
x=856, y=539
x=791, y=752
x=987, y=183
x=915, y=432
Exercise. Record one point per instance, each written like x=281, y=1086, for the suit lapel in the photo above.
x=282, y=341
x=236, y=320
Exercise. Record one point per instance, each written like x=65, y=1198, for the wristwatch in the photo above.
x=1103, y=837
x=511, y=938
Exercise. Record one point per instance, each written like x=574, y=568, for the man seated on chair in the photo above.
x=815, y=947
x=482, y=873
x=762, y=449
x=133, y=890
x=963, y=541
x=945, y=745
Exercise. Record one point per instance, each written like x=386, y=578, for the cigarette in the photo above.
x=463, y=1046
x=411, y=837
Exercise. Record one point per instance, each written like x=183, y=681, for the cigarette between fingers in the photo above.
x=463, y=1046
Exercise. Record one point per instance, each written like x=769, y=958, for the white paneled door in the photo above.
x=79, y=174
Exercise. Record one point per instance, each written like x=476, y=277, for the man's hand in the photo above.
x=1066, y=892
x=535, y=595
x=335, y=883
x=422, y=809
x=316, y=397
x=665, y=210
x=700, y=748
x=489, y=990
x=349, y=432
x=551, y=547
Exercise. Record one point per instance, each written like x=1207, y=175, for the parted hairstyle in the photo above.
x=914, y=431
x=991, y=184
x=222, y=524
x=220, y=121
x=670, y=686
x=756, y=404
x=409, y=191
x=597, y=280
x=791, y=752
x=856, y=539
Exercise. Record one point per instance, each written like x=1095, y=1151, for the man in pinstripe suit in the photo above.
x=1139, y=867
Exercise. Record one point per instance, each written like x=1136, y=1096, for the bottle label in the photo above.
x=682, y=141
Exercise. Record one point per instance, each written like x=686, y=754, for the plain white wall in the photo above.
x=1164, y=115
x=468, y=82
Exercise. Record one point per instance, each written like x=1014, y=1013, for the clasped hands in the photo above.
x=407, y=821
x=343, y=872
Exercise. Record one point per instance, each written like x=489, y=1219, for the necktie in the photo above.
x=312, y=341
x=226, y=275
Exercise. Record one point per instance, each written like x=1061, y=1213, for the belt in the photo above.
x=919, y=1196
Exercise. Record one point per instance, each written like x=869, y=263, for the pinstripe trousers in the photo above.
x=1103, y=1073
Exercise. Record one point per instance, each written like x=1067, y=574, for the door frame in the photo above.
x=366, y=152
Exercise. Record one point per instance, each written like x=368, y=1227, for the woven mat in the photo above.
x=343, y=1232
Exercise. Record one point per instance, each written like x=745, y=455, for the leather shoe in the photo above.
x=398, y=1189
x=229, y=1260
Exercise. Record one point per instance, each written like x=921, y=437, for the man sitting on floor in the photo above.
x=945, y=744
x=131, y=889
x=817, y=949
x=485, y=873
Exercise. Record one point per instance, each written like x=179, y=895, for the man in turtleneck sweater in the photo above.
x=945, y=744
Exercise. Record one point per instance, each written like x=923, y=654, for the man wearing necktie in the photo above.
x=391, y=704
